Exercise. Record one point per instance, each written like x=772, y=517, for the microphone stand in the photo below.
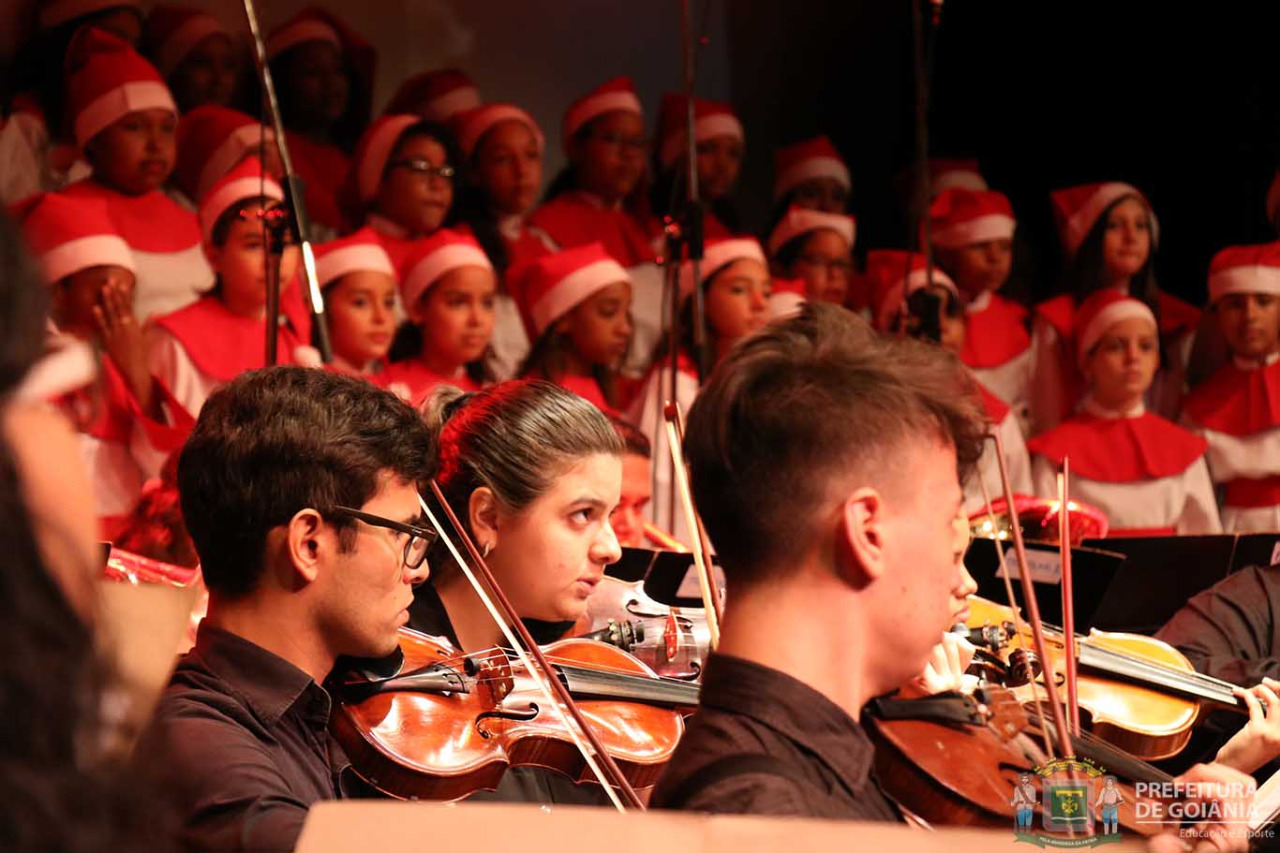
x=684, y=238
x=299, y=223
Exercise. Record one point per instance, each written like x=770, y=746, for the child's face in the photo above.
x=825, y=194
x=627, y=518
x=456, y=316
x=135, y=154
x=719, y=162
x=207, y=75
x=1250, y=322
x=508, y=168
x=75, y=297
x=825, y=266
x=738, y=300
x=978, y=267
x=1123, y=363
x=609, y=162
x=412, y=194
x=239, y=262
x=361, y=307
x=316, y=85
x=1126, y=245
x=599, y=329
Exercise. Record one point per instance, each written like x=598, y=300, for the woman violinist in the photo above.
x=533, y=472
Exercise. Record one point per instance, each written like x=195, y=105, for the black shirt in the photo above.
x=241, y=747
x=821, y=755
x=1230, y=631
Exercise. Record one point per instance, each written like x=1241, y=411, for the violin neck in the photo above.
x=586, y=683
x=1189, y=684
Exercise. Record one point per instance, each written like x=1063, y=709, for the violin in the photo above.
x=1137, y=692
x=440, y=725
x=917, y=741
x=673, y=641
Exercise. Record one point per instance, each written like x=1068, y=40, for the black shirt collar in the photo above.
x=793, y=709
x=269, y=684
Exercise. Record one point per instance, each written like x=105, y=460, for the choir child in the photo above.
x=1146, y=473
x=210, y=342
x=1234, y=409
x=359, y=285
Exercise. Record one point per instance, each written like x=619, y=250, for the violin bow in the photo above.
x=701, y=546
x=1068, y=594
x=1029, y=597
x=557, y=694
x=1017, y=613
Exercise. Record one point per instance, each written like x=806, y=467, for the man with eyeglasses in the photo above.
x=300, y=490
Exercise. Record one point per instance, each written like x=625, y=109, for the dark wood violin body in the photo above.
x=450, y=724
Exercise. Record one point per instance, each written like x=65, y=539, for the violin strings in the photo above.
x=562, y=661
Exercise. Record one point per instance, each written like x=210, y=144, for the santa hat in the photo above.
x=471, y=125
x=788, y=297
x=211, y=140
x=67, y=235
x=54, y=13
x=961, y=217
x=1103, y=310
x=807, y=161
x=110, y=80
x=710, y=120
x=1076, y=210
x=246, y=180
x=435, y=95
x=432, y=258
x=894, y=275
x=945, y=174
x=1245, y=269
x=555, y=284
x=358, y=252
x=316, y=24
x=372, y=152
x=172, y=32
x=717, y=255
x=799, y=221
x=616, y=95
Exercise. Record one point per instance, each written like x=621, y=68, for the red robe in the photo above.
x=413, y=381
x=577, y=218
x=323, y=168
x=166, y=243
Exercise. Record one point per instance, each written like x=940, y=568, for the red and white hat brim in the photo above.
x=1244, y=279
x=360, y=258
x=232, y=193
x=436, y=265
x=117, y=103
x=374, y=162
x=82, y=253
x=231, y=152
x=1086, y=216
x=708, y=127
x=982, y=229
x=799, y=221
x=1116, y=312
x=301, y=33
x=184, y=39
x=446, y=106
x=476, y=128
x=598, y=105
x=812, y=169
x=719, y=255
x=573, y=290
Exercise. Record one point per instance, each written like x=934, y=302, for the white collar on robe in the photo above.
x=385, y=226
x=1255, y=364
x=981, y=302
x=1096, y=409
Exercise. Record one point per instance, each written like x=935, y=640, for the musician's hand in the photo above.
x=1233, y=792
x=1259, y=741
x=947, y=664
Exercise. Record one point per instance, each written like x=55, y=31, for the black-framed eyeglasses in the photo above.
x=424, y=168
x=420, y=538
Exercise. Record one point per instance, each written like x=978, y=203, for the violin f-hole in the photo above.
x=519, y=716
